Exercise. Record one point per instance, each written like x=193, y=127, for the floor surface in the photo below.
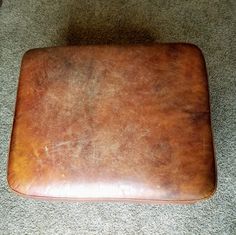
x=209, y=24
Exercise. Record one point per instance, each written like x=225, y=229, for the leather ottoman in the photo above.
x=125, y=123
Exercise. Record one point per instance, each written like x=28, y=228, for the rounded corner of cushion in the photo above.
x=30, y=52
x=16, y=191
x=189, y=48
x=196, y=49
x=209, y=193
x=192, y=46
x=13, y=185
x=212, y=188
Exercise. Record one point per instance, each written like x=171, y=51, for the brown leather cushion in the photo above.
x=113, y=123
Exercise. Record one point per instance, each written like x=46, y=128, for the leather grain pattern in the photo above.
x=113, y=123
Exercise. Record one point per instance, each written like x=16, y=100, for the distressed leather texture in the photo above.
x=113, y=122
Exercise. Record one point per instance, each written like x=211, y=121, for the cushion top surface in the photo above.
x=113, y=123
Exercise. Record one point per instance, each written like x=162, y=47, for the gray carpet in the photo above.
x=210, y=24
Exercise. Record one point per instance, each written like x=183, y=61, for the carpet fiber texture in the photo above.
x=209, y=24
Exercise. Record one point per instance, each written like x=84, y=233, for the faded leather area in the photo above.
x=113, y=122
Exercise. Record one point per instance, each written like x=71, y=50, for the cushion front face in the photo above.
x=113, y=123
